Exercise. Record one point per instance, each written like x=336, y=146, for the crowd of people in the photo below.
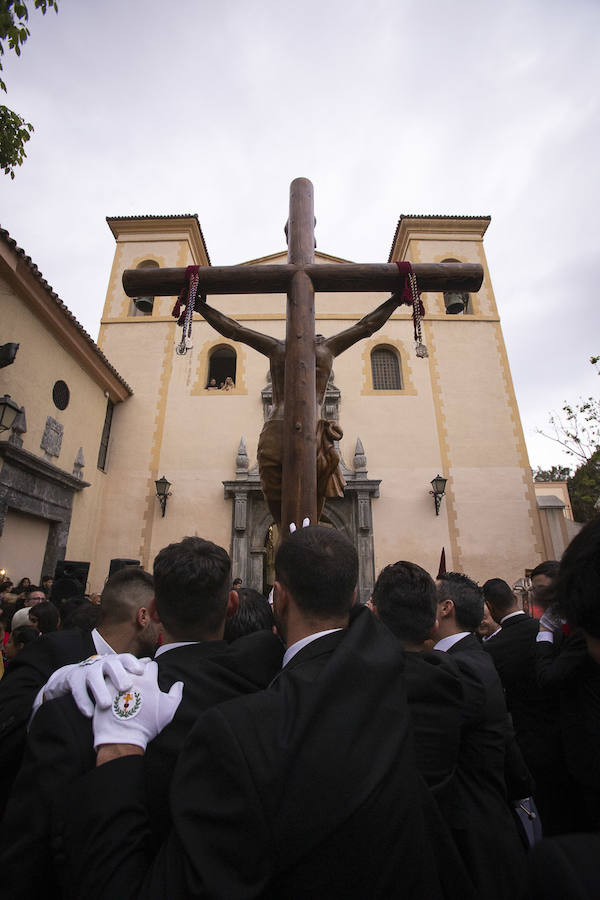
x=186, y=738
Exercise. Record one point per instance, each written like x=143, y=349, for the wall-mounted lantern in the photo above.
x=439, y=489
x=9, y=411
x=162, y=492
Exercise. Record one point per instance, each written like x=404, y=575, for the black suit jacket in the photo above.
x=27, y=673
x=484, y=828
x=306, y=790
x=533, y=708
x=60, y=747
x=435, y=699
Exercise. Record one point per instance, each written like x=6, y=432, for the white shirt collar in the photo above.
x=519, y=612
x=102, y=647
x=488, y=636
x=303, y=642
x=164, y=647
x=450, y=641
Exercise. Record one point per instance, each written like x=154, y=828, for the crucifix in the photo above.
x=296, y=455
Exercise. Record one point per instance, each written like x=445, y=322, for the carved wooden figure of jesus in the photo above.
x=330, y=481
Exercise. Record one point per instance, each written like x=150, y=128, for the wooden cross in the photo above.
x=299, y=279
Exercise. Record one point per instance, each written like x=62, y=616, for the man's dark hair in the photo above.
x=253, y=614
x=29, y=590
x=191, y=580
x=25, y=634
x=82, y=614
x=498, y=594
x=319, y=566
x=124, y=592
x=466, y=596
x=577, y=588
x=549, y=568
x=405, y=599
x=47, y=616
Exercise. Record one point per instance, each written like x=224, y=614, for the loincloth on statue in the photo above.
x=330, y=481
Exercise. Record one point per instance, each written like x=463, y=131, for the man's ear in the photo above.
x=152, y=611
x=233, y=601
x=445, y=609
x=354, y=598
x=142, y=616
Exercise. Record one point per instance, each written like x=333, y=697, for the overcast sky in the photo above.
x=388, y=106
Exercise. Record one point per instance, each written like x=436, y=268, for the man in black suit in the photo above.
x=569, y=866
x=483, y=826
x=191, y=604
x=305, y=790
x=404, y=599
x=125, y=627
x=533, y=709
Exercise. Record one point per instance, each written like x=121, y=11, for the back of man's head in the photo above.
x=466, y=596
x=191, y=581
x=253, y=614
x=549, y=568
x=577, y=588
x=499, y=597
x=124, y=593
x=319, y=567
x=405, y=600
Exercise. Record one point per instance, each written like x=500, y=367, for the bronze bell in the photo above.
x=455, y=302
x=144, y=304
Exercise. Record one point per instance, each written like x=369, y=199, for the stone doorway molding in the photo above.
x=251, y=518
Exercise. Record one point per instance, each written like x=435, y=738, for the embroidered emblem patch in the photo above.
x=127, y=704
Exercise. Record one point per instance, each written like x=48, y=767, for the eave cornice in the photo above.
x=23, y=275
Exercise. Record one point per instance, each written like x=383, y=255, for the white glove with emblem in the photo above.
x=137, y=715
x=89, y=675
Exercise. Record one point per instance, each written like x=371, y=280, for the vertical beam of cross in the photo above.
x=299, y=484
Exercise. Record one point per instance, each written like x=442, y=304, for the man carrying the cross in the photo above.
x=330, y=481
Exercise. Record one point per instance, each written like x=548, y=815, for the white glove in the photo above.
x=551, y=621
x=78, y=678
x=136, y=716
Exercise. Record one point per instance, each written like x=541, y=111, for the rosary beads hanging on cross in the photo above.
x=297, y=460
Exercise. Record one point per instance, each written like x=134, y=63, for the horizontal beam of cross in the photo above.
x=276, y=279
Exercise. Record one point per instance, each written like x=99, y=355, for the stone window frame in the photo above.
x=203, y=367
x=406, y=375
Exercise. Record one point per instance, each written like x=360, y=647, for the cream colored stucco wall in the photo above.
x=41, y=361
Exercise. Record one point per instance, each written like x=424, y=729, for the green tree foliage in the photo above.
x=577, y=430
x=14, y=130
x=555, y=473
x=584, y=489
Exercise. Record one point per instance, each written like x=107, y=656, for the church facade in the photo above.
x=405, y=419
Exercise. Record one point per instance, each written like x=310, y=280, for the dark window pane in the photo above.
x=61, y=395
x=385, y=370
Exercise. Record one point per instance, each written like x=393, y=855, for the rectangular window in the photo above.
x=102, y=452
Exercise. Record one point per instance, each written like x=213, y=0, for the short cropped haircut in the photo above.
x=405, y=599
x=253, y=614
x=191, y=580
x=124, y=593
x=577, y=588
x=466, y=596
x=549, y=568
x=319, y=566
x=499, y=594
